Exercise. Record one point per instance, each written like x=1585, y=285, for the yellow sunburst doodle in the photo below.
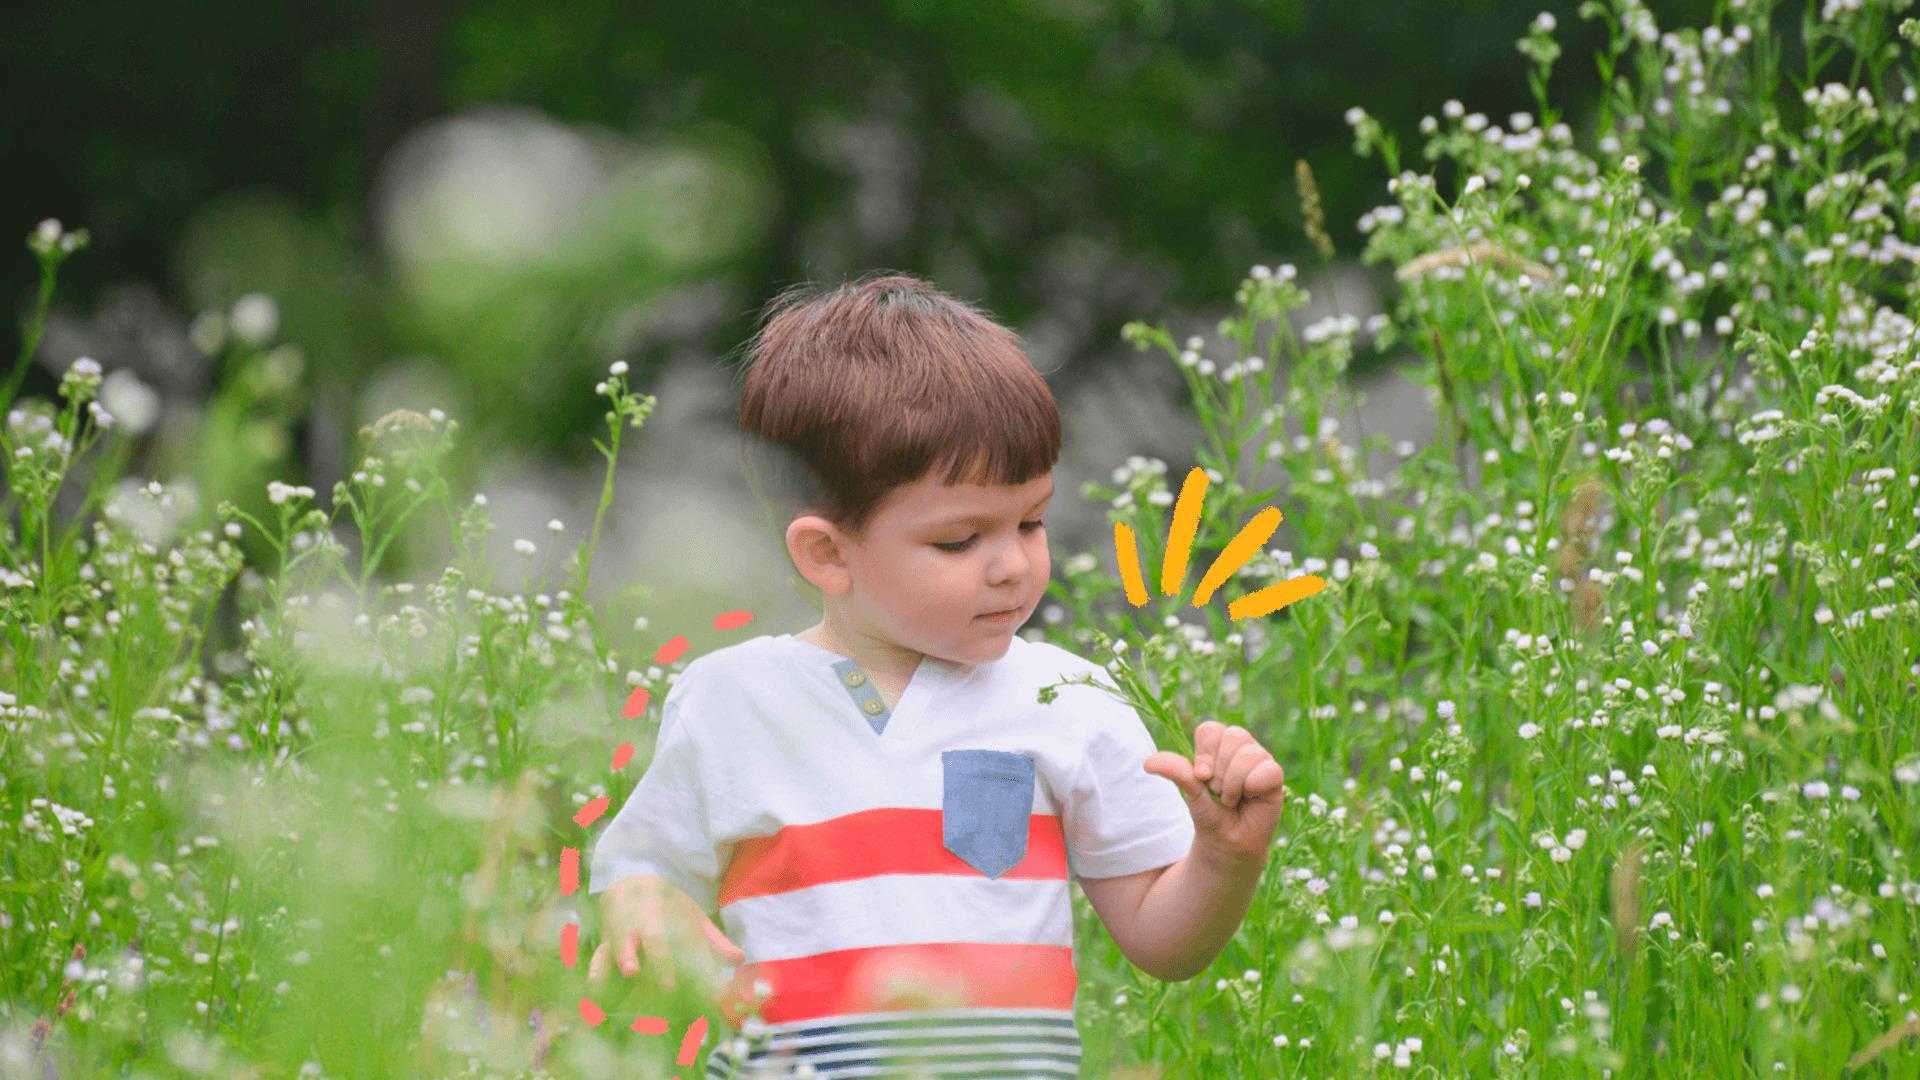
x=1243, y=546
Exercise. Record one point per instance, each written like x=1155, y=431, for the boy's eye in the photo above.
x=962, y=545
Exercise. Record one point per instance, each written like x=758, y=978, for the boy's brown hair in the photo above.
x=850, y=393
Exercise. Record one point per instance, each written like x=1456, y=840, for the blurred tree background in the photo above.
x=486, y=204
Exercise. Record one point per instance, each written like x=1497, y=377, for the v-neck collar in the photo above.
x=930, y=672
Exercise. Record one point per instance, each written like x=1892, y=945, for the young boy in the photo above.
x=884, y=815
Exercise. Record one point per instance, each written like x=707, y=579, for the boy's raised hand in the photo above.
x=643, y=914
x=1250, y=783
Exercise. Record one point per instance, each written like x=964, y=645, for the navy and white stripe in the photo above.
x=908, y=1043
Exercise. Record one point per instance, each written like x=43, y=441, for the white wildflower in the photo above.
x=254, y=318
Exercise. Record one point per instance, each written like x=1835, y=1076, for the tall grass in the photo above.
x=1602, y=743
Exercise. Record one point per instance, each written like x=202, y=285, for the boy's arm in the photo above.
x=656, y=867
x=1173, y=920
x=663, y=828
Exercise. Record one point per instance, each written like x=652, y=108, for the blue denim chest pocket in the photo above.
x=986, y=800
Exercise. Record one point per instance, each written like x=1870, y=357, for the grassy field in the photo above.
x=1602, y=744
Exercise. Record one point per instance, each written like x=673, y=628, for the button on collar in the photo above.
x=861, y=689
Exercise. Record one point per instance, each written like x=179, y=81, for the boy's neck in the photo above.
x=880, y=658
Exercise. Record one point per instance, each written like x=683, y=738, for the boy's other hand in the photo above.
x=642, y=920
x=1251, y=786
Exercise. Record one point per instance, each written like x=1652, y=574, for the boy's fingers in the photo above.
x=1171, y=765
x=597, y=965
x=661, y=945
x=629, y=956
x=1231, y=740
x=728, y=951
x=1263, y=782
x=1206, y=744
x=1233, y=784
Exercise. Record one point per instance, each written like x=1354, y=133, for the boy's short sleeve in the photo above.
x=663, y=828
x=1119, y=818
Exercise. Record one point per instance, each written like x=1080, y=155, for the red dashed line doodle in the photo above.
x=637, y=702
x=591, y=812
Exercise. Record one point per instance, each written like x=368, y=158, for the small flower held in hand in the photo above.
x=1251, y=786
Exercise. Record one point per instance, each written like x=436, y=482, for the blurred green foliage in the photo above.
x=1078, y=160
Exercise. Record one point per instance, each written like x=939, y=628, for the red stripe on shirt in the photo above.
x=870, y=843
x=894, y=977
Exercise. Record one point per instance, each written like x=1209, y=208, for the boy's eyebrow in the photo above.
x=981, y=519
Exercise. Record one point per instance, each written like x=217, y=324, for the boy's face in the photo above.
x=932, y=561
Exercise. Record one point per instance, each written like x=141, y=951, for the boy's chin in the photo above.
x=978, y=647
x=990, y=647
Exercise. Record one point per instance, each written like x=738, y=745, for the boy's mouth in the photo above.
x=1000, y=616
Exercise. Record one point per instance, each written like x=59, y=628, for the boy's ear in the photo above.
x=816, y=546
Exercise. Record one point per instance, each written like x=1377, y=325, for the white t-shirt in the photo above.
x=838, y=839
